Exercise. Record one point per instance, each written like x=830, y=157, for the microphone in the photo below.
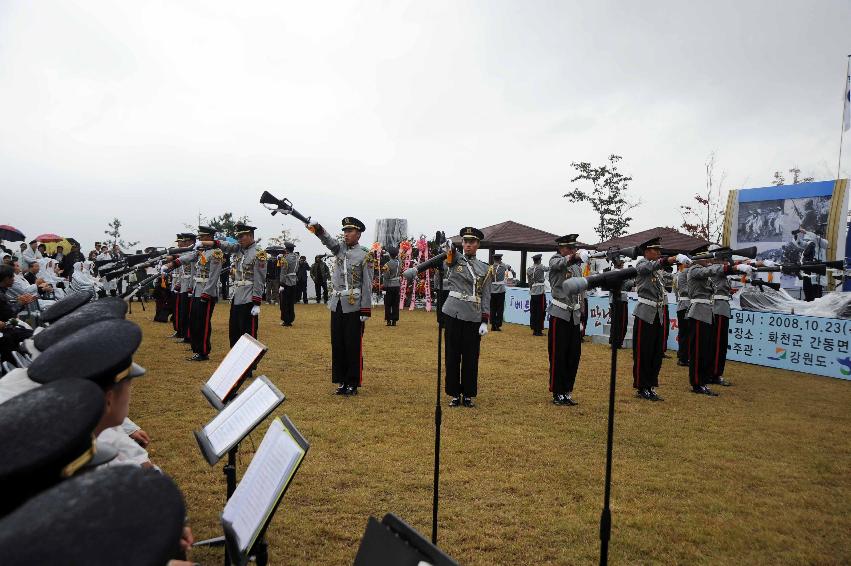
x=606, y=280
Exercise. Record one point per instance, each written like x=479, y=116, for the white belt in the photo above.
x=702, y=301
x=242, y=283
x=353, y=293
x=650, y=303
x=684, y=299
x=565, y=306
x=465, y=297
x=721, y=297
x=200, y=279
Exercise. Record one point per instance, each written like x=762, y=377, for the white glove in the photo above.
x=446, y=246
x=255, y=310
x=199, y=245
x=164, y=269
x=583, y=255
x=768, y=263
x=744, y=268
x=281, y=290
x=364, y=318
x=312, y=225
x=483, y=329
x=683, y=258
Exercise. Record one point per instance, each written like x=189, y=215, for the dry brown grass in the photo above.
x=759, y=475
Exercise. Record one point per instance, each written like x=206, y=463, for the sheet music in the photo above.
x=265, y=479
x=236, y=363
x=240, y=415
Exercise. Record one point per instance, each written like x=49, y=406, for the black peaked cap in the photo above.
x=103, y=309
x=66, y=305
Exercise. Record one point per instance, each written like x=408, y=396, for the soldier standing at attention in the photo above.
x=205, y=292
x=351, y=302
x=391, y=281
x=248, y=274
x=537, y=274
x=683, y=303
x=621, y=304
x=647, y=330
x=289, y=282
x=175, y=293
x=565, y=339
x=466, y=313
x=500, y=273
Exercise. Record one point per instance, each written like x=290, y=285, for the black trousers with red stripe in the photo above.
x=175, y=313
x=202, y=312
x=701, y=353
x=683, y=335
x=241, y=322
x=183, y=326
x=463, y=344
x=564, y=346
x=346, y=347
x=646, y=353
x=537, y=308
x=623, y=312
x=666, y=328
x=719, y=346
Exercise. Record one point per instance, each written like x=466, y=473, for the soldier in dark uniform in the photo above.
x=320, y=274
x=565, y=340
x=288, y=284
x=537, y=276
x=647, y=331
x=350, y=304
x=248, y=273
x=500, y=273
x=205, y=292
x=391, y=281
x=466, y=316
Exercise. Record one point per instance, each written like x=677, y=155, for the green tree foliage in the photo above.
x=607, y=196
x=114, y=232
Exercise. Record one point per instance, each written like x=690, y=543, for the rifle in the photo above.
x=141, y=261
x=726, y=254
x=819, y=268
x=282, y=205
x=760, y=283
x=610, y=254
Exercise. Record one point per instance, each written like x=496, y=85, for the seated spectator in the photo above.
x=12, y=335
x=30, y=255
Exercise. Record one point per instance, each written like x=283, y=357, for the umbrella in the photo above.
x=44, y=238
x=11, y=234
x=64, y=242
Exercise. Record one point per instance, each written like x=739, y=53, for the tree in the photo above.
x=607, y=196
x=705, y=218
x=114, y=232
x=226, y=223
x=796, y=177
x=283, y=237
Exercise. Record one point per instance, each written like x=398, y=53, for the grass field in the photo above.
x=759, y=475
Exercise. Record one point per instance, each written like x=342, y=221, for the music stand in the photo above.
x=393, y=542
x=233, y=370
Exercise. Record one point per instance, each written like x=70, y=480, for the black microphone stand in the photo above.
x=438, y=415
x=606, y=516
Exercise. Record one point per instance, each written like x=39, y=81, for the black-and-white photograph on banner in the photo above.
x=786, y=223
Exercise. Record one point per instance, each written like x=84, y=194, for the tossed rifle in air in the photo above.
x=282, y=205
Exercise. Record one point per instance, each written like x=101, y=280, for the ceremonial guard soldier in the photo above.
x=565, y=338
x=248, y=276
x=391, y=281
x=500, y=274
x=621, y=304
x=701, y=351
x=186, y=275
x=647, y=331
x=537, y=276
x=683, y=304
x=288, y=284
x=175, y=294
x=441, y=296
x=466, y=316
x=205, y=292
x=350, y=304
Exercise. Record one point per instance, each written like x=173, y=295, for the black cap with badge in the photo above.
x=101, y=353
x=537, y=257
x=352, y=222
x=121, y=515
x=567, y=240
x=102, y=309
x=470, y=233
x=47, y=435
x=241, y=228
x=68, y=304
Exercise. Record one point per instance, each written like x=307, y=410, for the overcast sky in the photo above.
x=446, y=113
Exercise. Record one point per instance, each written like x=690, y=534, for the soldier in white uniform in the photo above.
x=350, y=304
x=288, y=281
x=565, y=339
x=648, y=332
x=248, y=279
x=205, y=292
x=466, y=316
x=537, y=276
x=391, y=281
x=500, y=273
